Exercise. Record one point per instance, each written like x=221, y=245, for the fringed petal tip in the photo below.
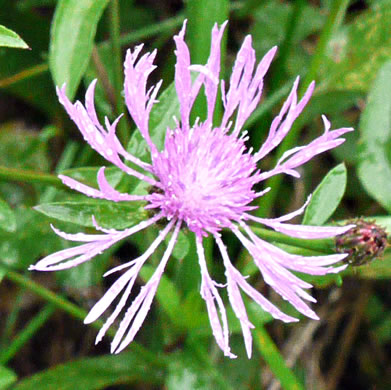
x=229, y=354
x=61, y=89
x=36, y=267
x=271, y=53
x=222, y=25
x=337, y=270
x=343, y=229
x=315, y=317
x=91, y=89
x=183, y=29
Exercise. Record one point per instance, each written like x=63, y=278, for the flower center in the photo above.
x=206, y=176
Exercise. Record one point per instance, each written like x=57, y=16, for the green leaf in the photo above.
x=186, y=371
x=326, y=197
x=181, y=376
x=72, y=39
x=271, y=19
x=7, y=377
x=182, y=246
x=84, y=275
x=22, y=148
x=274, y=359
x=94, y=374
x=32, y=81
x=7, y=217
x=378, y=269
x=161, y=117
x=193, y=313
x=331, y=103
x=383, y=221
x=356, y=52
x=204, y=14
x=107, y=214
x=32, y=239
x=9, y=38
x=374, y=168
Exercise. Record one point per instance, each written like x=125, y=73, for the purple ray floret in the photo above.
x=204, y=179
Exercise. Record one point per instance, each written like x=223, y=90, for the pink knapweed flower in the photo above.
x=203, y=180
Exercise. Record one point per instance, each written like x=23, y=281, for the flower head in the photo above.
x=363, y=243
x=204, y=179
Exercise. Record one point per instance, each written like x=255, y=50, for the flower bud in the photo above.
x=364, y=243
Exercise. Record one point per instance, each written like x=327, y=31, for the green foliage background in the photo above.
x=345, y=46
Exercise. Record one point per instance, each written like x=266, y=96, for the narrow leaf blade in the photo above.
x=72, y=38
x=7, y=217
x=374, y=168
x=107, y=214
x=94, y=373
x=326, y=197
x=9, y=38
x=7, y=377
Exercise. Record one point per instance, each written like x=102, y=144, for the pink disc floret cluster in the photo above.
x=204, y=180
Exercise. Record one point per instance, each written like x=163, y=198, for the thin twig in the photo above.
x=348, y=337
x=103, y=77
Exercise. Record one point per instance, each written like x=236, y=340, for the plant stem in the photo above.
x=326, y=245
x=24, y=74
x=335, y=18
x=103, y=77
x=275, y=360
x=19, y=175
x=27, y=333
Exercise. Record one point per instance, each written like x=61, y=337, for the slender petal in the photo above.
x=213, y=65
x=210, y=294
x=138, y=100
x=101, y=140
x=183, y=78
x=235, y=298
x=281, y=280
x=68, y=258
x=106, y=191
x=141, y=305
x=302, y=231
